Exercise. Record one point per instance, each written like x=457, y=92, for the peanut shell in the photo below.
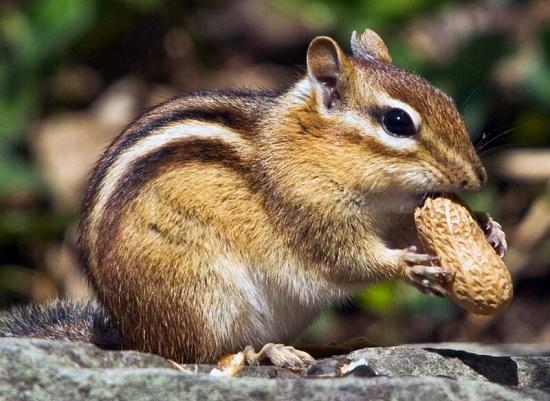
x=481, y=282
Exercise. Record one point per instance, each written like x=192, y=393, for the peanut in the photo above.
x=481, y=281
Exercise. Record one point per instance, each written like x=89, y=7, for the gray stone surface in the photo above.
x=522, y=371
x=34, y=370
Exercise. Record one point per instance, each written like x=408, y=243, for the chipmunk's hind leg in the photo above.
x=283, y=356
x=280, y=355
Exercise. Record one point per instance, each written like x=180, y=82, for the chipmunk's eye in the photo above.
x=397, y=122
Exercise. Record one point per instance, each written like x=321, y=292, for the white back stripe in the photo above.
x=158, y=139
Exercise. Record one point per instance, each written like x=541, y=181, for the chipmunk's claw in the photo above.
x=493, y=233
x=283, y=356
x=428, y=279
x=496, y=237
x=411, y=256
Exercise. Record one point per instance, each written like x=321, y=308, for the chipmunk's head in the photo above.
x=391, y=129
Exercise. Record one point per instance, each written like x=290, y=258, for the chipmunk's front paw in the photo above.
x=283, y=356
x=427, y=278
x=495, y=236
x=493, y=232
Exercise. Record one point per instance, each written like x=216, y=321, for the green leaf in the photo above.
x=57, y=23
x=23, y=226
x=143, y=5
x=18, y=102
x=380, y=298
x=18, y=175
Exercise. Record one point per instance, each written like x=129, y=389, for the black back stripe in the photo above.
x=234, y=109
x=144, y=169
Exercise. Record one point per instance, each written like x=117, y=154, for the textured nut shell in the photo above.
x=481, y=283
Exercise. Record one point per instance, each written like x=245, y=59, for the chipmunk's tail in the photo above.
x=85, y=321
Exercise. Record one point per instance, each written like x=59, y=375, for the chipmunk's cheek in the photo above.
x=404, y=203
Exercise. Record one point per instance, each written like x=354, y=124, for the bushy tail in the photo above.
x=63, y=320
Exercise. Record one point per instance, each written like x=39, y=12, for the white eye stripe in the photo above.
x=374, y=128
x=357, y=121
x=158, y=139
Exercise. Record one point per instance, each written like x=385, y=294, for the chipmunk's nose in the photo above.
x=482, y=175
x=476, y=181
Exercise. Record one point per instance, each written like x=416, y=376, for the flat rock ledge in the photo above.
x=35, y=369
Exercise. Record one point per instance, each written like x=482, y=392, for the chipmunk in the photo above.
x=222, y=221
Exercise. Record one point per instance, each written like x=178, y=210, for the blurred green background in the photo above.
x=73, y=73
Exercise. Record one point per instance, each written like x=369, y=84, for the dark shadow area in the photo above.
x=497, y=369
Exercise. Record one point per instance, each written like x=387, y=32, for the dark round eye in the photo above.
x=398, y=123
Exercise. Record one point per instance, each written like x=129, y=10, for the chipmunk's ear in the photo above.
x=325, y=64
x=369, y=45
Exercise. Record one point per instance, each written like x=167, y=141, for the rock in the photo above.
x=522, y=371
x=35, y=369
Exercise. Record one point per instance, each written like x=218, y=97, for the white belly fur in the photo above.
x=275, y=309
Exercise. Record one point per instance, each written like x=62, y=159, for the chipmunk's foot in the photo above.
x=283, y=356
x=493, y=233
x=427, y=278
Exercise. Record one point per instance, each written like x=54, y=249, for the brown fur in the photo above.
x=206, y=245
